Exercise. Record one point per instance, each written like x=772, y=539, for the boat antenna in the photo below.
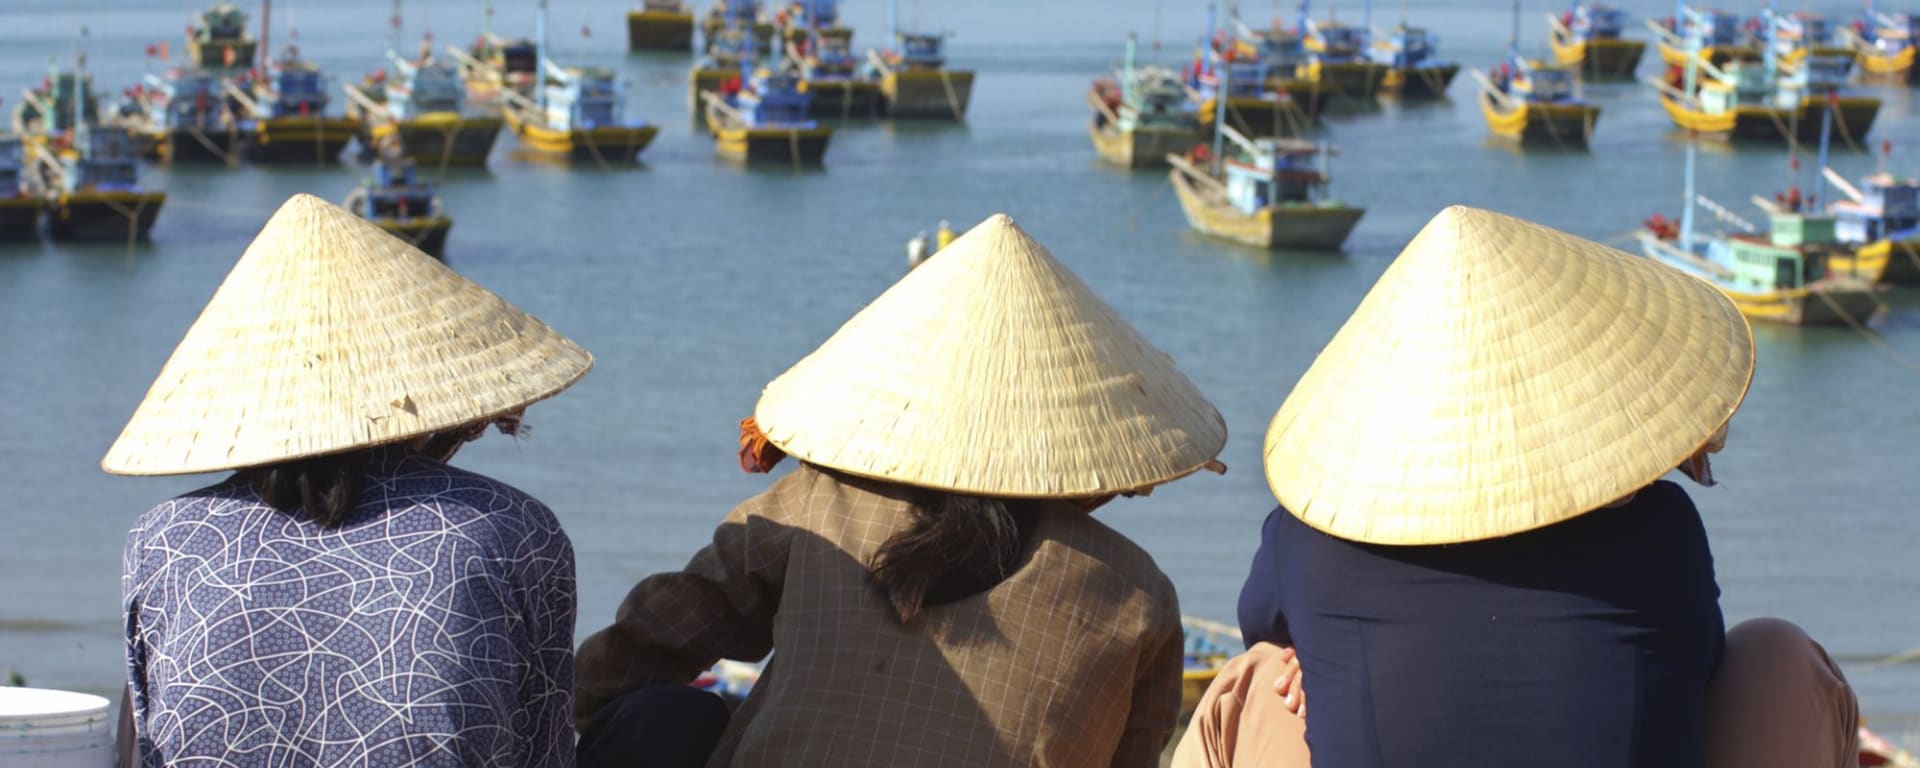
x=266, y=33
x=1126, y=77
x=80, y=94
x=540, y=55
x=1220, y=91
x=1686, y=212
x=1513, y=41
x=393, y=32
x=1826, y=129
x=1767, y=40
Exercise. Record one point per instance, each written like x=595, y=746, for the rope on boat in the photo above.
x=446, y=146
x=793, y=146
x=1909, y=363
x=953, y=100
x=206, y=143
x=593, y=148
x=1840, y=121
x=1906, y=247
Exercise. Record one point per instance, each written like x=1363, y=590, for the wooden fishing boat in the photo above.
x=286, y=114
x=738, y=14
x=730, y=52
x=1723, y=36
x=802, y=19
x=1800, y=34
x=913, y=75
x=1141, y=115
x=1339, y=58
x=576, y=113
x=19, y=209
x=765, y=121
x=1281, y=50
x=1412, y=71
x=829, y=74
x=1241, y=63
x=419, y=110
x=495, y=66
x=182, y=116
x=660, y=25
x=1590, y=38
x=219, y=39
x=1269, y=193
x=1880, y=221
x=91, y=185
x=1533, y=102
x=1885, y=45
x=1766, y=100
x=1781, y=275
x=403, y=206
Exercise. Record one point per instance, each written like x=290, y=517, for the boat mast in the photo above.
x=80, y=94
x=539, y=56
x=1767, y=40
x=266, y=32
x=1126, y=76
x=1826, y=128
x=1220, y=86
x=486, y=24
x=1691, y=81
x=1513, y=41
x=393, y=33
x=1686, y=211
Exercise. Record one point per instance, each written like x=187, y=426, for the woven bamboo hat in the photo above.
x=1502, y=376
x=329, y=335
x=992, y=370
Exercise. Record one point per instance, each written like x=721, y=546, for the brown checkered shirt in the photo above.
x=1074, y=660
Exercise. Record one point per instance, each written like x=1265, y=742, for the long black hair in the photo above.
x=958, y=546
x=324, y=488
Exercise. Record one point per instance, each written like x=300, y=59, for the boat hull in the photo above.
x=214, y=55
x=1306, y=228
x=312, y=140
x=1569, y=125
x=705, y=81
x=109, y=216
x=1885, y=68
x=1604, y=60
x=427, y=233
x=842, y=98
x=1349, y=80
x=1257, y=118
x=762, y=35
x=659, y=31
x=941, y=94
x=1672, y=56
x=1420, y=82
x=441, y=138
x=196, y=146
x=19, y=218
x=1889, y=262
x=1775, y=124
x=1829, y=304
x=1140, y=147
x=779, y=146
x=605, y=144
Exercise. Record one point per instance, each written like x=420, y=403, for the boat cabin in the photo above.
x=1597, y=22
x=1801, y=29
x=730, y=47
x=516, y=60
x=1792, y=255
x=824, y=57
x=299, y=89
x=580, y=98
x=1537, y=83
x=224, y=21
x=390, y=195
x=775, y=99
x=1410, y=47
x=1156, y=98
x=57, y=93
x=106, y=162
x=1275, y=171
x=1742, y=82
x=1715, y=28
x=743, y=13
x=1341, y=43
x=922, y=51
x=1887, y=206
x=12, y=160
x=1283, y=50
x=424, y=87
x=817, y=14
x=194, y=99
x=1821, y=72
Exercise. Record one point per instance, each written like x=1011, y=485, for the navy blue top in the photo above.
x=1585, y=644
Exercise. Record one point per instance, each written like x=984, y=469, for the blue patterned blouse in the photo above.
x=433, y=627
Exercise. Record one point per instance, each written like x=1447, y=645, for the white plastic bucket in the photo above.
x=41, y=728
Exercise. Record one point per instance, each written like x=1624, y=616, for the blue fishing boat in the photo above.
x=1340, y=55
x=417, y=107
x=19, y=209
x=1413, y=71
x=93, y=187
x=764, y=119
x=1801, y=35
x=803, y=18
x=1723, y=36
x=576, y=113
x=1234, y=79
x=1269, y=193
x=1535, y=102
x=1281, y=49
x=1141, y=115
x=829, y=72
x=1766, y=100
x=915, y=81
x=182, y=116
x=1880, y=222
x=1782, y=274
x=728, y=51
x=286, y=114
x=403, y=205
x=743, y=15
x=1591, y=38
x=1884, y=44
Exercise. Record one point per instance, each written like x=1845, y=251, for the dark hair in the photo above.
x=325, y=488
x=957, y=547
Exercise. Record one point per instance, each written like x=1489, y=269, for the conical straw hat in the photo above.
x=993, y=370
x=329, y=335
x=1502, y=376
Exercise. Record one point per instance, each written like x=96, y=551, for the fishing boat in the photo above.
x=183, y=116
x=1234, y=79
x=494, y=66
x=829, y=73
x=404, y=206
x=1141, y=115
x=1209, y=645
x=1884, y=44
x=806, y=18
x=1284, y=54
x=1533, y=102
x=1268, y=193
x=576, y=113
x=913, y=74
x=660, y=25
x=738, y=14
x=1800, y=34
x=1781, y=275
x=1723, y=36
x=1766, y=100
x=765, y=120
x=219, y=40
x=1880, y=222
x=285, y=112
x=1339, y=56
x=19, y=209
x=418, y=106
x=91, y=185
x=729, y=52
x=1591, y=38
x=1412, y=71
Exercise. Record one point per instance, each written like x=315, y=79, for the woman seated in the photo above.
x=346, y=598
x=1474, y=562
x=929, y=580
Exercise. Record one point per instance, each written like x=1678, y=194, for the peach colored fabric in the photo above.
x=1241, y=721
x=1778, y=701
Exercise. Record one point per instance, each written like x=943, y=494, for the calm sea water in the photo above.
x=694, y=282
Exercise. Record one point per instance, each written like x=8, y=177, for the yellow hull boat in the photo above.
x=1878, y=66
x=606, y=144
x=1612, y=59
x=441, y=138
x=652, y=30
x=302, y=139
x=1348, y=80
x=1140, y=147
x=1765, y=123
x=1887, y=262
x=1530, y=123
x=1278, y=227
